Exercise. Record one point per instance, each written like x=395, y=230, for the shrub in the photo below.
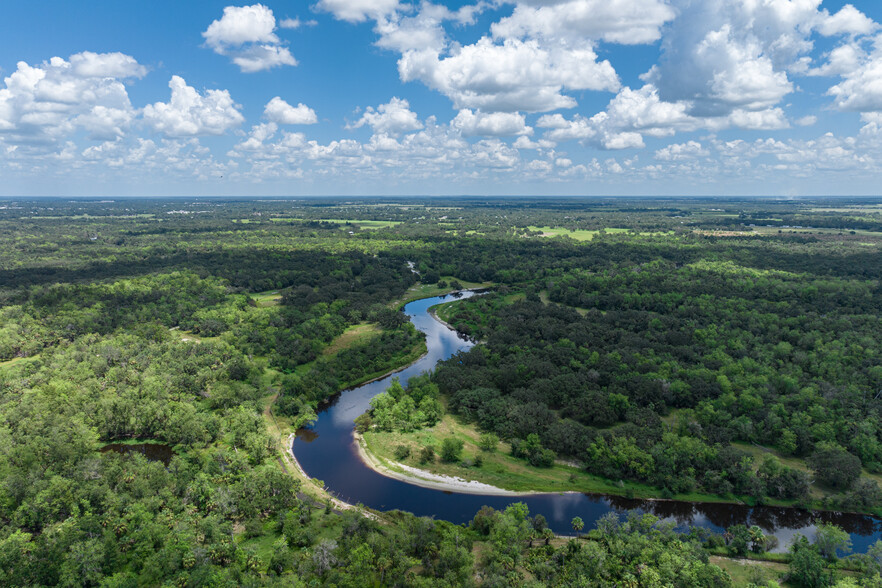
x=835, y=466
x=488, y=442
x=427, y=454
x=451, y=450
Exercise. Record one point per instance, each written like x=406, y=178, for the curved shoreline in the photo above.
x=425, y=479
x=434, y=314
x=336, y=502
x=341, y=464
x=386, y=375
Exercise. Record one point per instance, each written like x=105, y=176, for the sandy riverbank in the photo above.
x=434, y=315
x=418, y=477
x=335, y=502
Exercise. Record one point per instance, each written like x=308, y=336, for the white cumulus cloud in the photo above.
x=189, y=113
x=279, y=111
x=106, y=65
x=240, y=25
x=681, y=151
x=515, y=75
x=861, y=88
x=848, y=21
x=49, y=101
x=358, y=10
x=727, y=55
x=392, y=118
x=246, y=34
x=628, y=22
x=496, y=124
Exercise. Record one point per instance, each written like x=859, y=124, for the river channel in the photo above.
x=327, y=451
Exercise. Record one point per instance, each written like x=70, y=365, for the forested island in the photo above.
x=157, y=357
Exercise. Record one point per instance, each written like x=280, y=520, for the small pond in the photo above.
x=152, y=451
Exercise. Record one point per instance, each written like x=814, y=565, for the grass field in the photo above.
x=189, y=337
x=543, y=296
x=749, y=572
x=352, y=336
x=16, y=360
x=871, y=236
x=580, y=234
x=268, y=298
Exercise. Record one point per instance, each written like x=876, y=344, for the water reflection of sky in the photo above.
x=330, y=456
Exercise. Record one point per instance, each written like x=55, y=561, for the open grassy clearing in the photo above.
x=587, y=235
x=543, y=296
x=268, y=298
x=16, y=360
x=745, y=572
x=466, y=233
x=352, y=336
x=189, y=337
x=871, y=237
x=578, y=235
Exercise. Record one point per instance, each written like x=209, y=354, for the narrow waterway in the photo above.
x=327, y=451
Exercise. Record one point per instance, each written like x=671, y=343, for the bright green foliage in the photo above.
x=531, y=449
x=807, y=567
x=739, y=539
x=400, y=409
x=831, y=540
x=451, y=449
x=746, y=344
x=488, y=442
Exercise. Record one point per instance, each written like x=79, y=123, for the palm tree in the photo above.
x=578, y=524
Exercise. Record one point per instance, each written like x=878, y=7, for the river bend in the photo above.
x=327, y=451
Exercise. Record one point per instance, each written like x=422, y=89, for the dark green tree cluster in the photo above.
x=742, y=355
x=329, y=375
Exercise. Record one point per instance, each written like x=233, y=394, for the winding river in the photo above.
x=327, y=451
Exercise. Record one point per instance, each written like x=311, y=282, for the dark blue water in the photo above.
x=152, y=451
x=327, y=451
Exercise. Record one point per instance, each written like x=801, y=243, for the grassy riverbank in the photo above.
x=420, y=290
x=499, y=468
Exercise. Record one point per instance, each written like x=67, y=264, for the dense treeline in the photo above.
x=329, y=375
x=742, y=355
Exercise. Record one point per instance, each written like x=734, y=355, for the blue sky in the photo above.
x=352, y=97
